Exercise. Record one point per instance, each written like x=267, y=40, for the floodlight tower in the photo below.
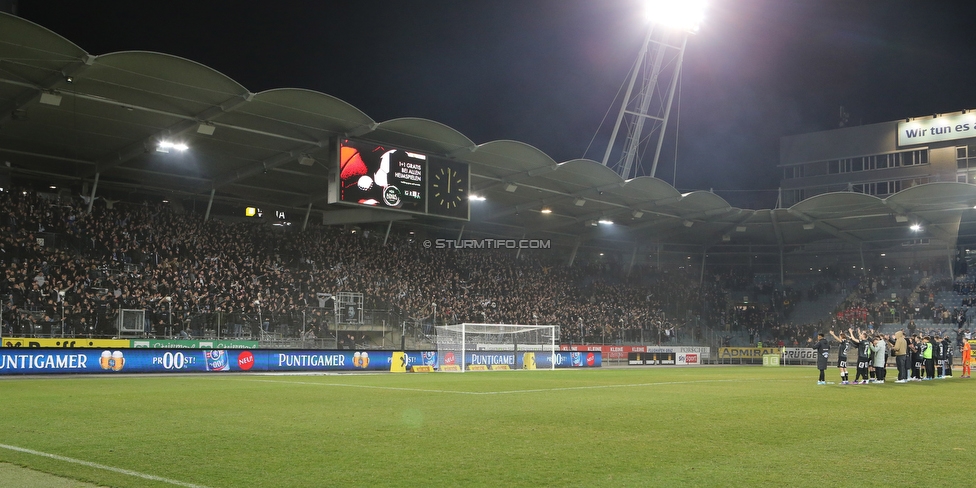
x=658, y=66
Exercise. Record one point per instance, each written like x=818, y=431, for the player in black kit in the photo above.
x=915, y=351
x=822, y=348
x=863, y=357
x=946, y=357
x=842, y=349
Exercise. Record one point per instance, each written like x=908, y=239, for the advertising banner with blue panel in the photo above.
x=124, y=360
x=568, y=359
x=543, y=360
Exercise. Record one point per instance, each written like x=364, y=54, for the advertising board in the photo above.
x=143, y=360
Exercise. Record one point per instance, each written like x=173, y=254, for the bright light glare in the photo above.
x=679, y=14
x=476, y=198
x=179, y=146
x=606, y=221
x=916, y=227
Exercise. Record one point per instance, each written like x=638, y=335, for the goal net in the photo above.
x=465, y=347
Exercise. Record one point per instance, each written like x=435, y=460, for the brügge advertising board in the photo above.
x=799, y=354
x=124, y=360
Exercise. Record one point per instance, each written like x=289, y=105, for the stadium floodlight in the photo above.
x=165, y=146
x=605, y=221
x=685, y=15
x=916, y=227
x=476, y=198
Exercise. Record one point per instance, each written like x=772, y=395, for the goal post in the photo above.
x=496, y=346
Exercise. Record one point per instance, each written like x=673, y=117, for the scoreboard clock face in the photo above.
x=447, y=188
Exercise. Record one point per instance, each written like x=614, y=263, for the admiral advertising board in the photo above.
x=110, y=361
x=747, y=353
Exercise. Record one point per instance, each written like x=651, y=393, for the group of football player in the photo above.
x=918, y=358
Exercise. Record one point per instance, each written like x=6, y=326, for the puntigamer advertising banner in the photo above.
x=123, y=360
x=537, y=359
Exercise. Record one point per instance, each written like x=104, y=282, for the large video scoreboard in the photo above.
x=382, y=176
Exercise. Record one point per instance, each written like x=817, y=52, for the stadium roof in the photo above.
x=67, y=115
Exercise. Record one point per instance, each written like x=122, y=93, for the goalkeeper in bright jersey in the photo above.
x=967, y=355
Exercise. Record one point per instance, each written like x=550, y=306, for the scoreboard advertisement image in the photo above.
x=381, y=176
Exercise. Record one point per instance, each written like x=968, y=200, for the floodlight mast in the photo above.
x=660, y=56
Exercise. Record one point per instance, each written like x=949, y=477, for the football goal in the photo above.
x=470, y=347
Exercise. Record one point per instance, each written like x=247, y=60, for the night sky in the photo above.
x=545, y=72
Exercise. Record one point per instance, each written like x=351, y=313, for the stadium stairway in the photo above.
x=811, y=312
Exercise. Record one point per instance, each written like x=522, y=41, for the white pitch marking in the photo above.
x=102, y=466
x=504, y=392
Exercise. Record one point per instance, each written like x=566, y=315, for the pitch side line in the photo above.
x=504, y=392
x=101, y=466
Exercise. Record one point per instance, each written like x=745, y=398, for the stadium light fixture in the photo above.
x=605, y=221
x=546, y=210
x=476, y=198
x=165, y=146
x=916, y=228
x=686, y=15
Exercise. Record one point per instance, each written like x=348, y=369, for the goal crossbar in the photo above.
x=514, y=346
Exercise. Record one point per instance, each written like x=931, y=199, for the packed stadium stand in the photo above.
x=69, y=273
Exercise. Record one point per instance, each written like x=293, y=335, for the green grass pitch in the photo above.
x=694, y=426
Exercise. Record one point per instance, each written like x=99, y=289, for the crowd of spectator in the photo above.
x=69, y=272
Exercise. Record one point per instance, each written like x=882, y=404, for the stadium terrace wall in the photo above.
x=73, y=342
